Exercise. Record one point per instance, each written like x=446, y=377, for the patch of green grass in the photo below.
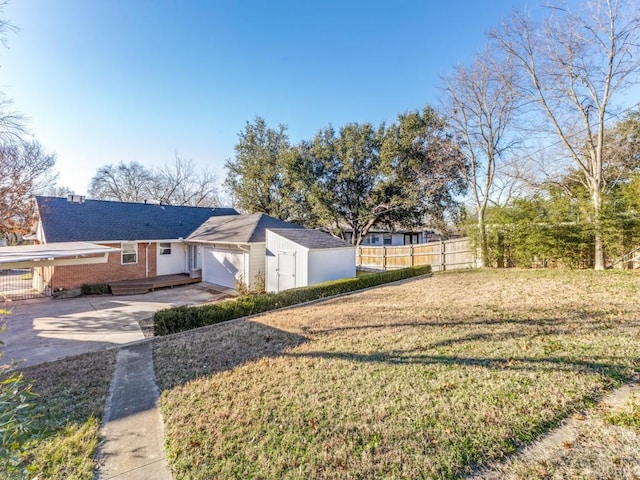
x=628, y=417
x=71, y=397
x=426, y=379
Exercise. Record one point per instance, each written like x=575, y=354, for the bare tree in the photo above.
x=130, y=182
x=180, y=183
x=12, y=123
x=574, y=65
x=479, y=104
x=25, y=168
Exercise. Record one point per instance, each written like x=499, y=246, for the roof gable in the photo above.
x=239, y=228
x=311, y=239
x=101, y=220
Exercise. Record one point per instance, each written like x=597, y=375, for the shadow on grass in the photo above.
x=609, y=369
x=225, y=346
x=181, y=358
x=585, y=321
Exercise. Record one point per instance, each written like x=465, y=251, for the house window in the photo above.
x=411, y=238
x=386, y=239
x=129, y=253
x=165, y=248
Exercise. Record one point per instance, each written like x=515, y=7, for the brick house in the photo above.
x=149, y=238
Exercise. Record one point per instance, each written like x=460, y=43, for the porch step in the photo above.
x=139, y=286
x=129, y=289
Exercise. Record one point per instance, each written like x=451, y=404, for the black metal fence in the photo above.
x=22, y=284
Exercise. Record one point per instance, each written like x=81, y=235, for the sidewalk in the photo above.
x=132, y=426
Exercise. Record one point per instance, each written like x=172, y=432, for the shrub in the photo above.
x=95, y=289
x=179, y=319
x=17, y=415
x=257, y=286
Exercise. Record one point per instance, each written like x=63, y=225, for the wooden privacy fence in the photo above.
x=445, y=255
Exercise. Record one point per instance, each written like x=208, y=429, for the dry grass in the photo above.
x=603, y=444
x=71, y=397
x=421, y=380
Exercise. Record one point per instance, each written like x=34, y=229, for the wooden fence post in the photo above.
x=443, y=255
x=384, y=258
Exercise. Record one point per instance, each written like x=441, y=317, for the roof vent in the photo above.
x=71, y=198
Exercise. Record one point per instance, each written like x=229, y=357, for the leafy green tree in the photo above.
x=362, y=176
x=255, y=177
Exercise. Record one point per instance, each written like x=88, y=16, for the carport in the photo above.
x=26, y=270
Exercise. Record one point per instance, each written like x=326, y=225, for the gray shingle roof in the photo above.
x=100, y=220
x=311, y=238
x=239, y=228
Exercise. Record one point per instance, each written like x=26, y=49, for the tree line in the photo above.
x=529, y=136
x=349, y=180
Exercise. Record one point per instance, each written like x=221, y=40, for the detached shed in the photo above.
x=301, y=257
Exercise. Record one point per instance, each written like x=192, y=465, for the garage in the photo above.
x=222, y=266
x=234, y=246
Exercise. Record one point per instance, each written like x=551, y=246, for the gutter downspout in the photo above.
x=146, y=260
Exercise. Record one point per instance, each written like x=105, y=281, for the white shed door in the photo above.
x=222, y=266
x=286, y=271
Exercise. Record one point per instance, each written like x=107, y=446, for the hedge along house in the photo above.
x=234, y=247
x=298, y=258
x=147, y=240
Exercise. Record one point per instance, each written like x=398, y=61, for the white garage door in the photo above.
x=222, y=266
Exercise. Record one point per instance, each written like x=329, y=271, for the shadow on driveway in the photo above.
x=49, y=329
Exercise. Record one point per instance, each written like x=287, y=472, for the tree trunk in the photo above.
x=597, y=224
x=484, y=241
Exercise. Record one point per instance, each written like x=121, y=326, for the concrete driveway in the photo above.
x=48, y=329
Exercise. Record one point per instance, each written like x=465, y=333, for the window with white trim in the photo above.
x=129, y=253
x=165, y=248
x=387, y=239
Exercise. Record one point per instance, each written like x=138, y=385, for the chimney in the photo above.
x=71, y=198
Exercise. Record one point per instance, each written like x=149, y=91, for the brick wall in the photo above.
x=73, y=276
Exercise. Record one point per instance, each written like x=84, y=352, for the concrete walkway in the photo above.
x=132, y=427
x=47, y=330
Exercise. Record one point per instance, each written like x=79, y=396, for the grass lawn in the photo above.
x=71, y=397
x=426, y=379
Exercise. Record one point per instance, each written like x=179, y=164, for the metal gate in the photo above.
x=25, y=283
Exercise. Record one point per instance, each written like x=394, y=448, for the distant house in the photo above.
x=391, y=238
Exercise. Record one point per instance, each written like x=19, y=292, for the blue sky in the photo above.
x=105, y=81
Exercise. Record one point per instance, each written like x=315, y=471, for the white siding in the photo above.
x=256, y=263
x=275, y=244
x=331, y=264
x=173, y=263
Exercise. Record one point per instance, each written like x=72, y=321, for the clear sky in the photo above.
x=105, y=81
